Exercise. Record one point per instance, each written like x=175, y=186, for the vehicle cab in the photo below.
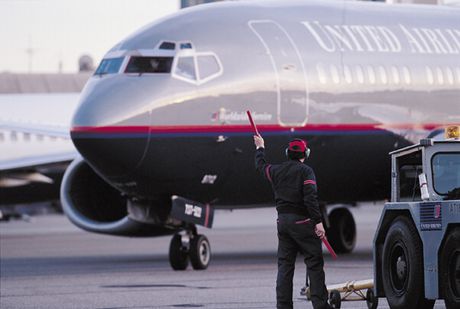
x=428, y=171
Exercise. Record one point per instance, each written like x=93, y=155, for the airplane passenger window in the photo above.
x=440, y=75
x=429, y=75
x=359, y=74
x=207, y=66
x=335, y=74
x=186, y=68
x=383, y=75
x=371, y=74
x=395, y=74
x=406, y=75
x=450, y=76
x=347, y=74
x=149, y=65
x=321, y=73
x=109, y=66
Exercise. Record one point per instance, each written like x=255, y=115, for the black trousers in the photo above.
x=295, y=235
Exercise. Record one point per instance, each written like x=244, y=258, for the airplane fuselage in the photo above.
x=355, y=80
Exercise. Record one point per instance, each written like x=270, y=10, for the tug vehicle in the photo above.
x=417, y=242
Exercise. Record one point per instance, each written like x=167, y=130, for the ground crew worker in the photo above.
x=299, y=221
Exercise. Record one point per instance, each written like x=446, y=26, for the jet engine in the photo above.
x=95, y=206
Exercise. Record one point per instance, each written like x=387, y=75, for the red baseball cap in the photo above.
x=297, y=145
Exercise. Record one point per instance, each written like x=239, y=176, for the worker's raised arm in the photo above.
x=261, y=164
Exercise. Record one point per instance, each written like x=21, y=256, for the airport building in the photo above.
x=187, y=3
x=43, y=83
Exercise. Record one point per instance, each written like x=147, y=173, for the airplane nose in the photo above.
x=110, y=128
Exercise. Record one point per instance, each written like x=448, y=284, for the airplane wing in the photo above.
x=29, y=162
x=35, y=129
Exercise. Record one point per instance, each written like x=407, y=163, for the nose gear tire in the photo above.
x=200, y=252
x=178, y=257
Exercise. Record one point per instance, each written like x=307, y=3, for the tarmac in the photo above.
x=48, y=263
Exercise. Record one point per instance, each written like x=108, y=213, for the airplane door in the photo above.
x=290, y=76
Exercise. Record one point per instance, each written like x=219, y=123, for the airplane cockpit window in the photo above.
x=208, y=66
x=168, y=46
x=186, y=46
x=197, y=68
x=186, y=68
x=109, y=66
x=149, y=65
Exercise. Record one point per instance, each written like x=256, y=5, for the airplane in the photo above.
x=36, y=148
x=162, y=130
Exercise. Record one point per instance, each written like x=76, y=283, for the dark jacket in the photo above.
x=294, y=185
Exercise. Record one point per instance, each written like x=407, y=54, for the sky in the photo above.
x=59, y=31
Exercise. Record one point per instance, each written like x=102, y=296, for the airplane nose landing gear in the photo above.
x=189, y=246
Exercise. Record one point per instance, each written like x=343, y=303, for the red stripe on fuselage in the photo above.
x=247, y=128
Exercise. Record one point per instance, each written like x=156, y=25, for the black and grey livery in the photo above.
x=164, y=115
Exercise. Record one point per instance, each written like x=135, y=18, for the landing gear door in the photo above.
x=289, y=71
x=192, y=212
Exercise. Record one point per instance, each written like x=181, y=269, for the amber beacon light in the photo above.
x=452, y=132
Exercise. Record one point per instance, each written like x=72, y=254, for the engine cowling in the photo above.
x=95, y=206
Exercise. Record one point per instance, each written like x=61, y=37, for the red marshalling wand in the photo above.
x=329, y=248
x=253, y=124
x=325, y=241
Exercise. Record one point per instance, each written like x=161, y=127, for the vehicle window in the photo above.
x=410, y=166
x=208, y=66
x=109, y=66
x=186, y=67
x=446, y=172
x=409, y=189
x=149, y=65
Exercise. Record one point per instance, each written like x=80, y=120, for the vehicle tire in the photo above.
x=371, y=301
x=200, y=252
x=402, y=267
x=335, y=299
x=449, y=265
x=178, y=257
x=342, y=230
